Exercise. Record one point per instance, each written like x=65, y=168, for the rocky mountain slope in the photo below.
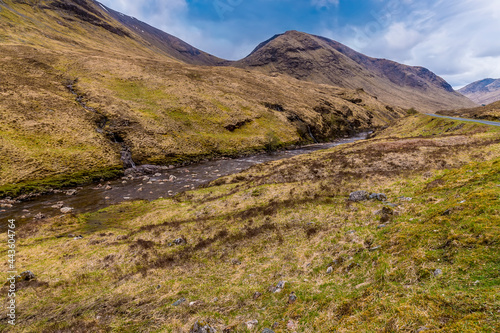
x=484, y=91
x=80, y=90
x=321, y=60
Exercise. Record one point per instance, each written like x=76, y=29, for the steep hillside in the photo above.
x=159, y=40
x=80, y=90
x=318, y=59
x=487, y=112
x=426, y=259
x=484, y=91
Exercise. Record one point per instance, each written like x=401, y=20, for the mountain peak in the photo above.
x=322, y=60
x=484, y=91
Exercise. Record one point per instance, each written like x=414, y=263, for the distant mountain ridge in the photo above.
x=300, y=55
x=484, y=91
x=164, y=42
x=321, y=60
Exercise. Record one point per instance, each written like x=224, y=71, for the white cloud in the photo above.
x=455, y=39
x=400, y=37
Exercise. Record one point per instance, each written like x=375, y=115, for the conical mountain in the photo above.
x=321, y=60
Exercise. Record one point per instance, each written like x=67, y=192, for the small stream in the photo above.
x=163, y=184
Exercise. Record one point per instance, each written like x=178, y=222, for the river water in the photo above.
x=164, y=184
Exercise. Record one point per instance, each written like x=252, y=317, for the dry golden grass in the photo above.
x=289, y=221
x=165, y=111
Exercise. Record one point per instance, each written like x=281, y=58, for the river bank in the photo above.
x=159, y=182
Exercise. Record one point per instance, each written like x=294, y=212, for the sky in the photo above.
x=456, y=39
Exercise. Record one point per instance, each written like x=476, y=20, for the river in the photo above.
x=167, y=183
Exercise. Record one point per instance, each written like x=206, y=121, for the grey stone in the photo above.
x=256, y=295
x=292, y=298
x=358, y=196
x=267, y=330
x=25, y=276
x=281, y=285
x=378, y=196
x=180, y=241
x=438, y=272
x=66, y=210
x=202, y=327
x=329, y=270
x=39, y=216
x=71, y=192
x=58, y=205
x=251, y=324
x=179, y=302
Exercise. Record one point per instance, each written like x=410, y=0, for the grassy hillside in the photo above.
x=321, y=60
x=488, y=112
x=78, y=89
x=430, y=261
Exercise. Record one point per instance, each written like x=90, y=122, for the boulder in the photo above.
x=378, y=196
x=358, y=196
x=58, y=205
x=179, y=302
x=202, y=327
x=180, y=241
x=251, y=324
x=66, y=210
x=25, y=276
x=71, y=192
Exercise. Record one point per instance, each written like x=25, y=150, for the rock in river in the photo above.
x=66, y=210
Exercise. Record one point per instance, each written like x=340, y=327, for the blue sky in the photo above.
x=456, y=39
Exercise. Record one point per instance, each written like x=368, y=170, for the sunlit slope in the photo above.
x=78, y=90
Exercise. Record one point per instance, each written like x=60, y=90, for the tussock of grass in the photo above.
x=290, y=221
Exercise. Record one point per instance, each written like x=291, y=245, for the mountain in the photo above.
x=86, y=91
x=163, y=42
x=321, y=60
x=482, y=92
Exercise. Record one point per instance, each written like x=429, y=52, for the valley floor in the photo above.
x=427, y=258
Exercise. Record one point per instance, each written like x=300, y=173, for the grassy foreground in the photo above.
x=432, y=261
